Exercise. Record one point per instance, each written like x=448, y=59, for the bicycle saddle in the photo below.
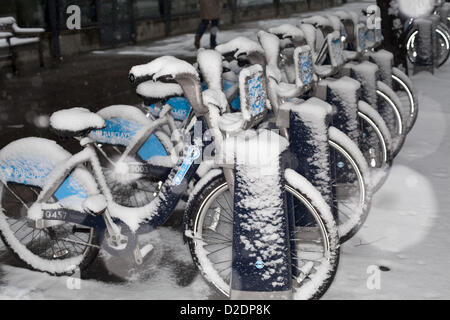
x=153, y=92
x=75, y=122
x=158, y=90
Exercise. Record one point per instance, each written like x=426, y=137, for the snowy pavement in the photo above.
x=183, y=45
x=408, y=227
x=406, y=234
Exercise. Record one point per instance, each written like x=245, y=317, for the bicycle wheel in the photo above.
x=443, y=44
x=57, y=250
x=210, y=232
x=393, y=114
x=443, y=48
x=404, y=89
x=350, y=172
x=375, y=140
x=130, y=189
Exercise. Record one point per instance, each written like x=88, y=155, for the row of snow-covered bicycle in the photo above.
x=441, y=13
x=322, y=85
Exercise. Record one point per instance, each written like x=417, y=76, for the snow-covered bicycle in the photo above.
x=351, y=203
x=442, y=34
x=354, y=117
x=363, y=43
x=58, y=211
x=376, y=93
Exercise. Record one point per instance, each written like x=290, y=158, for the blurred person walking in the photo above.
x=209, y=13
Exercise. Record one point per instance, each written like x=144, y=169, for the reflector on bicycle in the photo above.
x=303, y=66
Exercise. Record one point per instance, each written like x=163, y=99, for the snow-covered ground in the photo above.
x=183, y=45
x=408, y=227
x=407, y=231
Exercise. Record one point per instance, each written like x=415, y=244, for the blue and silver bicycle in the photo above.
x=58, y=210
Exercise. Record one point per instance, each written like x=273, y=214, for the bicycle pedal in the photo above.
x=140, y=254
x=145, y=250
x=305, y=271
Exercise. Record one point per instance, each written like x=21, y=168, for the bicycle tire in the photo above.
x=140, y=191
x=15, y=210
x=354, y=220
x=394, y=107
x=402, y=83
x=369, y=117
x=443, y=34
x=214, y=185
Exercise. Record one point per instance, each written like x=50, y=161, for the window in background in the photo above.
x=248, y=3
x=148, y=9
x=29, y=13
x=181, y=7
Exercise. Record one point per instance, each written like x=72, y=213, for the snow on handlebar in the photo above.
x=240, y=45
x=287, y=31
x=162, y=67
x=172, y=69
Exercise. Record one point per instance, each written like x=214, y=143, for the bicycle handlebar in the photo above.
x=239, y=46
x=168, y=68
x=163, y=68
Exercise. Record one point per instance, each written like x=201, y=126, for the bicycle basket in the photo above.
x=253, y=92
x=303, y=66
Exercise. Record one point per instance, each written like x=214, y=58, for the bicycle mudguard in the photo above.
x=119, y=131
x=30, y=161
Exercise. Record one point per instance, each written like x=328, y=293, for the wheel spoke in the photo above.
x=310, y=242
x=44, y=243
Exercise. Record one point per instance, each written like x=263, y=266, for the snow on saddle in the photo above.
x=75, y=122
x=154, y=91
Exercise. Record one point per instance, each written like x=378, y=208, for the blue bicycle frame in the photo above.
x=172, y=190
